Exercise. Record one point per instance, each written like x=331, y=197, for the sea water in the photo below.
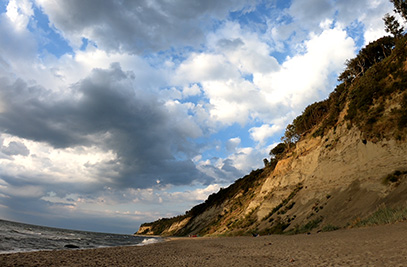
x=20, y=237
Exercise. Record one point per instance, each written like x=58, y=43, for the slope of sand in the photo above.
x=373, y=246
x=330, y=166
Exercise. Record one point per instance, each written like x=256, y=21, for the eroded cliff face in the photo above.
x=342, y=179
x=334, y=180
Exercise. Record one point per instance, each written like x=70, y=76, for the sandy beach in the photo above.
x=372, y=246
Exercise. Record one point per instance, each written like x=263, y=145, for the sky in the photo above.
x=115, y=113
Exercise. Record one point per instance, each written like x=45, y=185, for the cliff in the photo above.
x=343, y=159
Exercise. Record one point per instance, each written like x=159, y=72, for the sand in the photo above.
x=372, y=246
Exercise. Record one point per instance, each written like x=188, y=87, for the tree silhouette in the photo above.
x=373, y=53
x=400, y=7
x=392, y=26
x=278, y=151
x=290, y=135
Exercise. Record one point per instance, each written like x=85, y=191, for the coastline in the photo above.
x=147, y=241
x=373, y=246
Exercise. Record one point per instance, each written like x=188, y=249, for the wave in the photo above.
x=149, y=241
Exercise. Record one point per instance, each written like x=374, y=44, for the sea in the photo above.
x=20, y=237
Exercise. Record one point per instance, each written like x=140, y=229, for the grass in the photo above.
x=306, y=227
x=277, y=229
x=384, y=215
x=329, y=228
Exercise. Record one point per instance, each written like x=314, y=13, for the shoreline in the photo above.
x=155, y=239
x=373, y=246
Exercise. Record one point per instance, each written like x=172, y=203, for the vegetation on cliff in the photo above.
x=371, y=77
x=376, y=75
x=237, y=191
x=378, y=71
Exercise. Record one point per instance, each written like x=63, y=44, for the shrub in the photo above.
x=393, y=177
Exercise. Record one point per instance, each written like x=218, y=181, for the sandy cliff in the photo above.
x=350, y=161
x=335, y=180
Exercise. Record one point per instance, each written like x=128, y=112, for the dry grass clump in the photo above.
x=384, y=215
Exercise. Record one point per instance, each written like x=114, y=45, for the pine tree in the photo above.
x=400, y=7
x=392, y=26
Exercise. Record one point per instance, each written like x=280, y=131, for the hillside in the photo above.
x=342, y=161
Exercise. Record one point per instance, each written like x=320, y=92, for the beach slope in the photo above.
x=372, y=246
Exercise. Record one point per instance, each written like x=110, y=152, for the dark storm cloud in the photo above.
x=106, y=110
x=32, y=113
x=137, y=26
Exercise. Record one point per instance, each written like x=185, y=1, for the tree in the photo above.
x=392, y=26
x=312, y=116
x=266, y=162
x=373, y=53
x=400, y=7
x=290, y=135
x=278, y=151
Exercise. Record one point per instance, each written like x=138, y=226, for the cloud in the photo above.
x=309, y=14
x=370, y=13
x=107, y=110
x=362, y=19
x=264, y=132
x=14, y=148
x=20, y=45
x=193, y=90
x=223, y=171
x=239, y=162
x=26, y=191
x=232, y=144
x=245, y=49
x=137, y=26
x=273, y=95
x=197, y=195
x=308, y=75
x=224, y=74
x=221, y=81
x=41, y=212
x=62, y=170
x=206, y=67
x=19, y=13
x=230, y=44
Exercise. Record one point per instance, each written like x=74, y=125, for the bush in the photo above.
x=393, y=177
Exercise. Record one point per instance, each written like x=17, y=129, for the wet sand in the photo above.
x=373, y=246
